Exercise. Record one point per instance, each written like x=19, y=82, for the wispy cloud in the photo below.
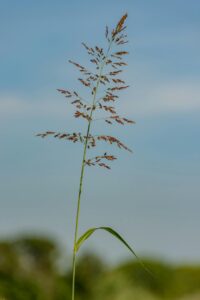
x=158, y=99
x=14, y=105
x=165, y=98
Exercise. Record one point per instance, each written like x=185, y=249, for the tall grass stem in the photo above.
x=82, y=174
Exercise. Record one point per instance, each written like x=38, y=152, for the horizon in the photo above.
x=156, y=205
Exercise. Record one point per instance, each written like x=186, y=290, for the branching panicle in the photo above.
x=111, y=61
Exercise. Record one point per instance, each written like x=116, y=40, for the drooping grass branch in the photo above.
x=104, y=85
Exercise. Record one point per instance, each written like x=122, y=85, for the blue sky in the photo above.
x=152, y=196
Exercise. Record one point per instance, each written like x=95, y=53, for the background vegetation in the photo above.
x=32, y=268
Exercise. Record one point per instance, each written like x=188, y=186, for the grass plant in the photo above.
x=103, y=82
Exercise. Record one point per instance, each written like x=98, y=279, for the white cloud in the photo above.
x=146, y=100
x=11, y=105
x=166, y=98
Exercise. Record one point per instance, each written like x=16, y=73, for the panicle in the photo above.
x=103, y=77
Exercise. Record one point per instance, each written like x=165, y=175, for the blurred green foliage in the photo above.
x=31, y=269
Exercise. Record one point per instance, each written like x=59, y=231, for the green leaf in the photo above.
x=90, y=231
x=84, y=237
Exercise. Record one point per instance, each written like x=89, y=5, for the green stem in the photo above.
x=82, y=174
x=78, y=210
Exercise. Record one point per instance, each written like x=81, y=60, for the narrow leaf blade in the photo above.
x=90, y=231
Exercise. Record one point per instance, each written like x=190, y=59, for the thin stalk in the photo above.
x=82, y=173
